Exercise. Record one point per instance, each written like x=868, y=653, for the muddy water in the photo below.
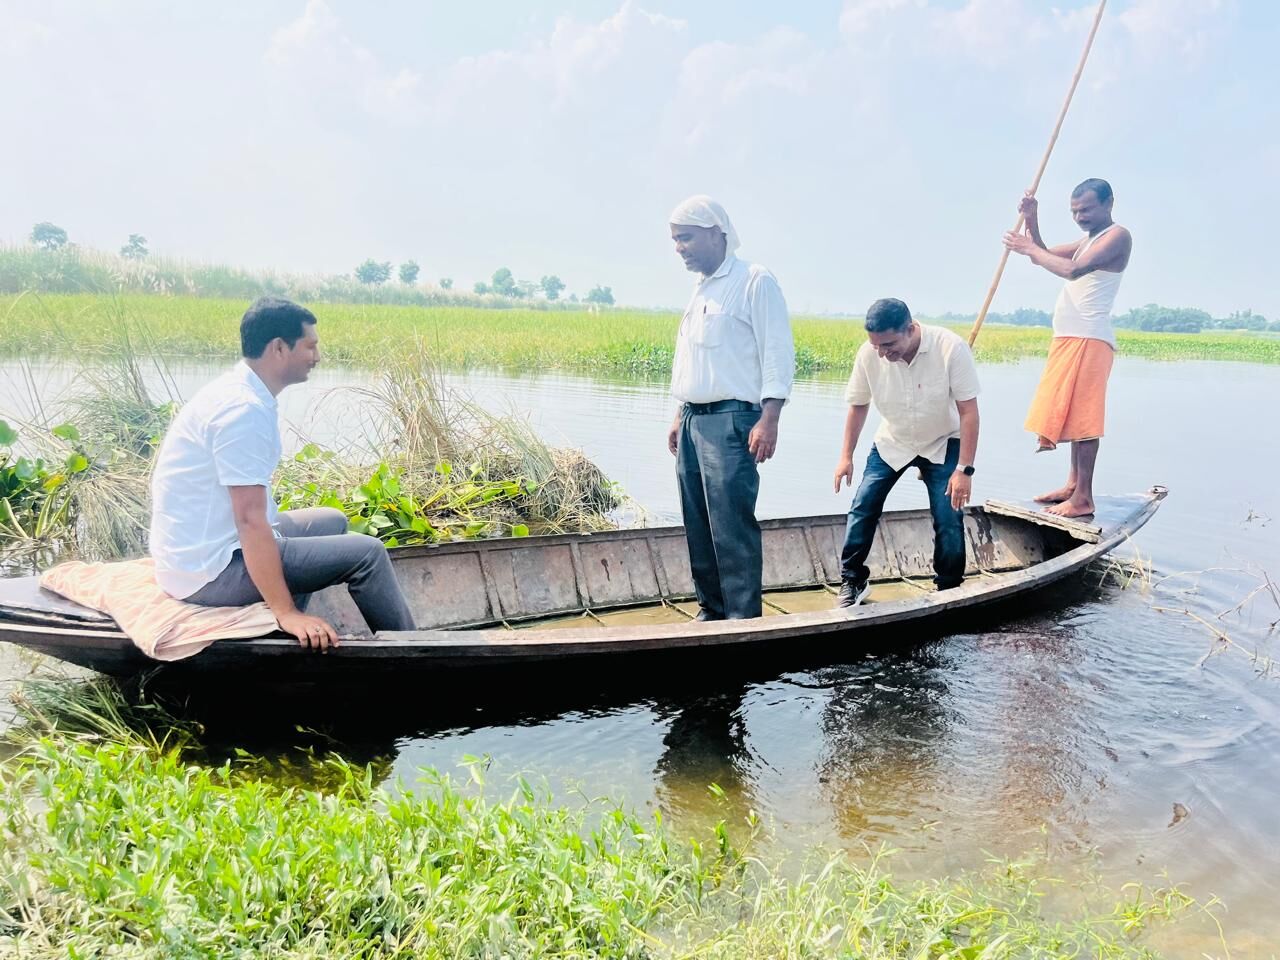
x=1071, y=731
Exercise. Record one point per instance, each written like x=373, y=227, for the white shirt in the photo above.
x=916, y=400
x=734, y=341
x=228, y=435
x=1084, y=305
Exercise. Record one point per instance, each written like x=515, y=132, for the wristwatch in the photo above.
x=967, y=469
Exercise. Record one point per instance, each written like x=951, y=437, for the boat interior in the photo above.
x=639, y=577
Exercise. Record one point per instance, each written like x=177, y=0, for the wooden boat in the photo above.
x=588, y=598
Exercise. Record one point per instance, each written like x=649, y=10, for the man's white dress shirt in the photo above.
x=734, y=341
x=916, y=400
x=228, y=435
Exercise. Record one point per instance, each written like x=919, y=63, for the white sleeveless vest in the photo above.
x=1084, y=305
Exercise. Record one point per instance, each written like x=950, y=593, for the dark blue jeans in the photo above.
x=878, y=479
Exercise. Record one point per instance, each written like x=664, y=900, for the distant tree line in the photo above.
x=503, y=283
x=1153, y=317
x=50, y=237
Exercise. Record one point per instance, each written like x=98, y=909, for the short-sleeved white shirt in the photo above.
x=228, y=435
x=916, y=400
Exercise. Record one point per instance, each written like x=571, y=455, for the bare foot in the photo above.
x=1057, y=496
x=1072, y=508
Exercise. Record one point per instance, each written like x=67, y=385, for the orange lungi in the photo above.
x=1071, y=401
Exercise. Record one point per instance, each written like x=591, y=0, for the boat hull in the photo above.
x=534, y=580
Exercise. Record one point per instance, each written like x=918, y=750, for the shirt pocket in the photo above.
x=933, y=394
x=709, y=330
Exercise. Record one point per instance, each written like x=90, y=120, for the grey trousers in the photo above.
x=317, y=552
x=719, y=483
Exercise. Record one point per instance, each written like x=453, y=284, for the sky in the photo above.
x=864, y=148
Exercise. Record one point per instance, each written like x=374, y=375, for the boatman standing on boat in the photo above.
x=1070, y=403
x=217, y=537
x=733, y=369
x=924, y=383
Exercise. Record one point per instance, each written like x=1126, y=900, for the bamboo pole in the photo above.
x=1044, y=162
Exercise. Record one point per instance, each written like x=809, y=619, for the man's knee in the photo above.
x=330, y=521
x=870, y=496
x=313, y=522
x=371, y=550
x=948, y=522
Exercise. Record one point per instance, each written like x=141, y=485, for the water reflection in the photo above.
x=705, y=743
x=1071, y=726
x=881, y=725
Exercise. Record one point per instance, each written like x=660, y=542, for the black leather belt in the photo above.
x=721, y=406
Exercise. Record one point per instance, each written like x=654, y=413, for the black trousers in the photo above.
x=719, y=483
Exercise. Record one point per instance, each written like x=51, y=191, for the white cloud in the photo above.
x=881, y=22
x=578, y=63
x=1175, y=30
x=982, y=31
x=20, y=35
x=319, y=56
x=841, y=152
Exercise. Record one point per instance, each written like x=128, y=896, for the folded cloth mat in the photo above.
x=161, y=627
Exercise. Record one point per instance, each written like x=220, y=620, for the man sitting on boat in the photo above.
x=732, y=373
x=924, y=384
x=1070, y=403
x=217, y=537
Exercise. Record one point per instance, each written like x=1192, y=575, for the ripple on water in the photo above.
x=1073, y=731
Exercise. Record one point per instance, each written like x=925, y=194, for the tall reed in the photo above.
x=437, y=465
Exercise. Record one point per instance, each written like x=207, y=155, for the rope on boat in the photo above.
x=671, y=606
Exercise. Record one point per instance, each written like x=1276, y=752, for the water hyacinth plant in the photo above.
x=384, y=507
x=434, y=467
x=117, y=841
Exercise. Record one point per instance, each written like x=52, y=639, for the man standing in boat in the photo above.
x=217, y=537
x=1070, y=403
x=733, y=369
x=924, y=384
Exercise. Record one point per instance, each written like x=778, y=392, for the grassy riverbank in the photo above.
x=431, y=467
x=120, y=840
x=620, y=342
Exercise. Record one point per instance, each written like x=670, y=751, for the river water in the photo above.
x=1069, y=733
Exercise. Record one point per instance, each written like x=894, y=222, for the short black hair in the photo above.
x=888, y=313
x=1101, y=189
x=268, y=318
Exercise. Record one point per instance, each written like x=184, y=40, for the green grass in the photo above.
x=80, y=270
x=445, y=469
x=118, y=841
x=615, y=342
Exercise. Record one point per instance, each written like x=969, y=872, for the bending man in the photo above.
x=1070, y=403
x=923, y=382
x=733, y=369
x=216, y=534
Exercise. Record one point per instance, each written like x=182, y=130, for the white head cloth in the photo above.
x=702, y=211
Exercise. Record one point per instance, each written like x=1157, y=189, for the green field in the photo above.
x=613, y=341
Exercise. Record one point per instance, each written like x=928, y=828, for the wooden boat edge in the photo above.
x=498, y=645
